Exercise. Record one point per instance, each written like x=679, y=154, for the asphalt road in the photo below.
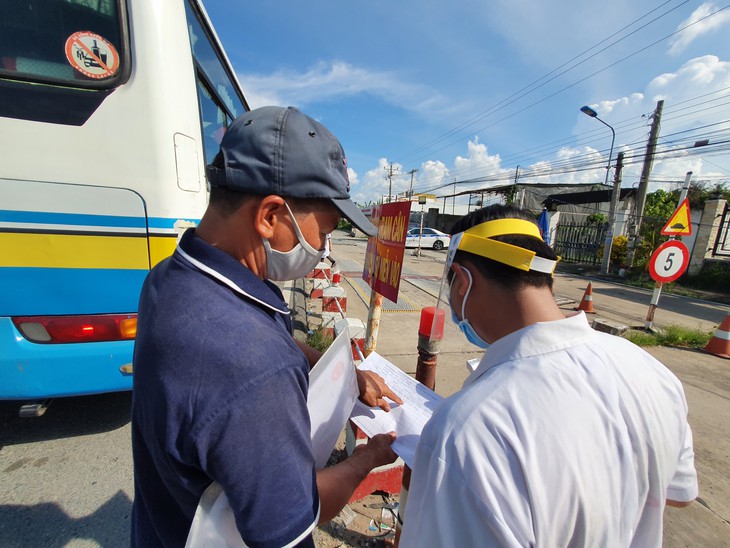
x=66, y=478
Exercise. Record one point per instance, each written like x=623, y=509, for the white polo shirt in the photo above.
x=562, y=436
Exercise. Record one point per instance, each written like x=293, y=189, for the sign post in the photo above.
x=668, y=263
x=421, y=200
x=670, y=259
x=383, y=262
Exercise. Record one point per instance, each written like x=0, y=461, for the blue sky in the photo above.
x=470, y=89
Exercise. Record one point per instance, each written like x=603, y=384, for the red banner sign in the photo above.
x=384, y=256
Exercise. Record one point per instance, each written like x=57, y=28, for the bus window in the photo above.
x=214, y=120
x=74, y=43
x=209, y=64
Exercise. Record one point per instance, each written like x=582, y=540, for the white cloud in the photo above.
x=477, y=161
x=703, y=74
x=375, y=183
x=609, y=105
x=698, y=28
x=352, y=177
x=333, y=80
x=433, y=173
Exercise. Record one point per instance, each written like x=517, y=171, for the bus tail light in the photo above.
x=76, y=329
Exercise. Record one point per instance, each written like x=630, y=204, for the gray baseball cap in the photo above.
x=280, y=150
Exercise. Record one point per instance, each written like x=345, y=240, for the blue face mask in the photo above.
x=464, y=324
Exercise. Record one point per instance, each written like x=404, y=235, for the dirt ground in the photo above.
x=362, y=523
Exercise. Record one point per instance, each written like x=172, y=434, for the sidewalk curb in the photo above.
x=298, y=307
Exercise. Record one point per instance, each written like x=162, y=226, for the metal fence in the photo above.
x=579, y=243
x=722, y=240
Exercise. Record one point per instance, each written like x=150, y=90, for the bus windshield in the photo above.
x=75, y=43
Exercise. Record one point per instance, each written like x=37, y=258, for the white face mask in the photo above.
x=463, y=324
x=291, y=265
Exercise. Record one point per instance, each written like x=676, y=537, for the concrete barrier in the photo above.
x=322, y=270
x=332, y=297
x=357, y=334
x=318, y=286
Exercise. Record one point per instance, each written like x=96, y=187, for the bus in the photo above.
x=109, y=112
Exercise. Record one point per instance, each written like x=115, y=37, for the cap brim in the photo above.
x=350, y=211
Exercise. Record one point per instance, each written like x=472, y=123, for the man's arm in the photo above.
x=312, y=354
x=337, y=483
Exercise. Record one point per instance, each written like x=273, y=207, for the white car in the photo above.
x=430, y=238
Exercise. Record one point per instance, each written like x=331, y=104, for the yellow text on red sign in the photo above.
x=384, y=256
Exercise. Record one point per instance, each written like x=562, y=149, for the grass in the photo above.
x=672, y=335
x=320, y=340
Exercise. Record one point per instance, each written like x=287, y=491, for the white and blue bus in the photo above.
x=109, y=111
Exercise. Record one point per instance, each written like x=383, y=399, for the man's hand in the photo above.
x=337, y=483
x=377, y=450
x=373, y=390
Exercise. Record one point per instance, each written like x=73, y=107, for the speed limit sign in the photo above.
x=669, y=261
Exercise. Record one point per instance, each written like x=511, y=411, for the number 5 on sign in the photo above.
x=669, y=261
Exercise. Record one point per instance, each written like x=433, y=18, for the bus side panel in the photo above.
x=62, y=291
x=67, y=249
x=34, y=371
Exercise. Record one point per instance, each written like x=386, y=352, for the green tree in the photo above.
x=596, y=219
x=658, y=208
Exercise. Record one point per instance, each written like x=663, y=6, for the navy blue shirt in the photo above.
x=220, y=394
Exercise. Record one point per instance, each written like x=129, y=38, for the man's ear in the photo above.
x=266, y=215
x=460, y=275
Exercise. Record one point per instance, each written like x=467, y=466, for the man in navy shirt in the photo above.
x=220, y=387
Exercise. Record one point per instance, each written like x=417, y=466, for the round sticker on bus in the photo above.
x=92, y=55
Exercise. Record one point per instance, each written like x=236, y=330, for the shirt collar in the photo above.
x=228, y=271
x=535, y=339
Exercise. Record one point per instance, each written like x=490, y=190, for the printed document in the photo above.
x=332, y=394
x=406, y=420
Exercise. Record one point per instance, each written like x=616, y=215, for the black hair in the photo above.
x=223, y=199
x=505, y=275
x=227, y=201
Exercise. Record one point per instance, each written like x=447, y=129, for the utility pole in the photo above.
x=615, y=197
x=390, y=182
x=644, y=180
x=514, y=189
x=453, y=200
x=410, y=191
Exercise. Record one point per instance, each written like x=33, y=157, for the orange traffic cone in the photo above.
x=719, y=344
x=586, y=303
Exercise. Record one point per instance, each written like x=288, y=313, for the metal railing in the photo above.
x=722, y=240
x=580, y=243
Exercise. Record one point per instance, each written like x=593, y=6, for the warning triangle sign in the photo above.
x=679, y=223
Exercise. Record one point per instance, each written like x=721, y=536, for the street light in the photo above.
x=588, y=111
x=593, y=114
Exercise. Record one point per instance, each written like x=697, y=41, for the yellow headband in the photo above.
x=478, y=240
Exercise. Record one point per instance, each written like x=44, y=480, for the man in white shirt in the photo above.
x=562, y=436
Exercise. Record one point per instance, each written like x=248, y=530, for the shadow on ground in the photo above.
x=65, y=418
x=48, y=525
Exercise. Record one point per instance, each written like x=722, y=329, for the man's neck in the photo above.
x=230, y=235
x=510, y=311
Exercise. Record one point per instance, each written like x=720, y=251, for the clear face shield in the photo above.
x=478, y=240
x=443, y=306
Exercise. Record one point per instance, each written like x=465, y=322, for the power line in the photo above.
x=526, y=89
